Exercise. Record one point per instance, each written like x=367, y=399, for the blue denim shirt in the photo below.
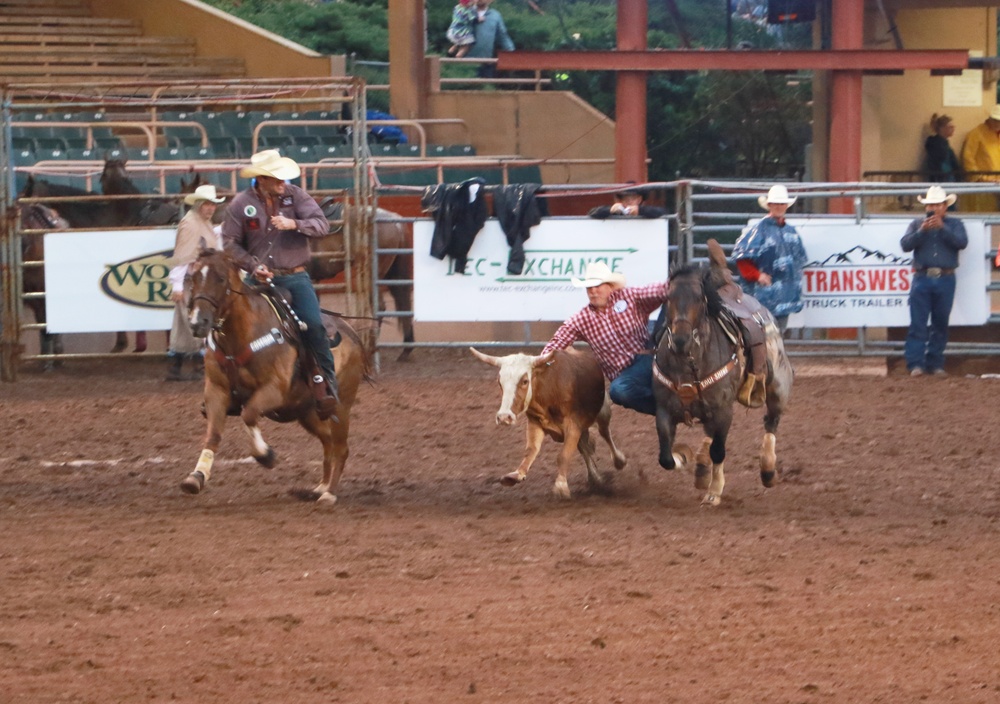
x=935, y=247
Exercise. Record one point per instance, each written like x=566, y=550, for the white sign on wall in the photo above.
x=857, y=275
x=108, y=281
x=558, y=250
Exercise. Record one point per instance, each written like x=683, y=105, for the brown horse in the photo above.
x=253, y=362
x=697, y=370
x=392, y=233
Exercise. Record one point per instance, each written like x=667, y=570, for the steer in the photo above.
x=562, y=394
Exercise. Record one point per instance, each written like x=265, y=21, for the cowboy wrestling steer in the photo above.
x=561, y=394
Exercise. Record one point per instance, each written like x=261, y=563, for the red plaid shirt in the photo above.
x=616, y=334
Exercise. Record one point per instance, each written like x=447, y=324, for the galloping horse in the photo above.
x=38, y=217
x=697, y=371
x=391, y=233
x=253, y=361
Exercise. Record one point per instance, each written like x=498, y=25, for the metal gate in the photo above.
x=151, y=98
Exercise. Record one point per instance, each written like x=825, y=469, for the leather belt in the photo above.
x=936, y=272
x=288, y=272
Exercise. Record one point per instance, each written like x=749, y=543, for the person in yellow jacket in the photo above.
x=981, y=152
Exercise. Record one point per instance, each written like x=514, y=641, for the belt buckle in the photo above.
x=933, y=272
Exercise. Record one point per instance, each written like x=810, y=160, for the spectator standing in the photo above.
x=628, y=203
x=981, y=152
x=491, y=34
x=935, y=241
x=462, y=32
x=770, y=258
x=615, y=325
x=267, y=231
x=942, y=164
x=194, y=233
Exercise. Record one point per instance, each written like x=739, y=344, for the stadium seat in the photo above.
x=460, y=150
x=332, y=151
x=436, y=151
x=493, y=175
x=137, y=153
x=524, y=174
x=83, y=154
x=169, y=153
x=300, y=152
x=420, y=176
x=199, y=153
x=412, y=150
x=384, y=149
x=225, y=147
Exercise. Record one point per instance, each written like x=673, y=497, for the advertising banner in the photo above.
x=557, y=251
x=857, y=275
x=108, y=281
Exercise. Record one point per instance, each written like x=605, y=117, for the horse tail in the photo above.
x=346, y=329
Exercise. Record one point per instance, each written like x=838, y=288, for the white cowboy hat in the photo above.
x=206, y=192
x=995, y=113
x=270, y=163
x=777, y=194
x=598, y=273
x=935, y=195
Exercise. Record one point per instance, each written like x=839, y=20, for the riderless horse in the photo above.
x=700, y=361
x=254, y=367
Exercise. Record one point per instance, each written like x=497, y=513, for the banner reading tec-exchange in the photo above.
x=558, y=250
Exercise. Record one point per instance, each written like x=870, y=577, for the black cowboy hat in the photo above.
x=631, y=189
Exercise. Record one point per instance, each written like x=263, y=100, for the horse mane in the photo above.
x=711, y=282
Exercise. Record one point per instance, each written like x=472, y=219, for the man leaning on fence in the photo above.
x=935, y=241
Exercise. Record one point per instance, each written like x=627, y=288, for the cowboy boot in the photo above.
x=752, y=392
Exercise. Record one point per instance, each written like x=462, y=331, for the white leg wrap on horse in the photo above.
x=205, y=463
x=260, y=447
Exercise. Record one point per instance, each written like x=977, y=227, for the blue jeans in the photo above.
x=633, y=388
x=305, y=303
x=929, y=298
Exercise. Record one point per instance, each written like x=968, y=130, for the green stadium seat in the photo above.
x=50, y=154
x=437, y=151
x=493, y=175
x=531, y=173
x=300, y=152
x=199, y=153
x=332, y=151
x=412, y=150
x=83, y=154
x=383, y=149
x=137, y=153
x=225, y=147
x=460, y=150
x=420, y=176
x=169, y=153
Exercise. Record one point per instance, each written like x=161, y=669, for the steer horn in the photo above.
x=495, y=361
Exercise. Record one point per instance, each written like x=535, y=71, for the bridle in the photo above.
x=689, y=391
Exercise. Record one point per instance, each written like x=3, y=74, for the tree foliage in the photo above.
x=701, y=124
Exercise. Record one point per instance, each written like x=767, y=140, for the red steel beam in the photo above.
x=950, y=60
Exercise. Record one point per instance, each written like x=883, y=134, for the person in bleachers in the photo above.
x=628, y=204
x=462, y=32
x=981, y=161
x=491, y=34
x=942, y=164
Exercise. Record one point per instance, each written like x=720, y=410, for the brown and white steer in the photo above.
x=562, y=394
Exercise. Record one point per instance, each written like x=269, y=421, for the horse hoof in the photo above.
x=711, y=500
x=512, y=479
x=119, y=347
x=327, y=499
x=561, y=489
x=404, y=356
x=193, y=483
x=620, y=462
x=769, y=478
x=269, y=459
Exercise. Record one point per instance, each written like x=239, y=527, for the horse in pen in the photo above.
x=35, y=216
x=89, y=212
x=255, y=367
x=697, y=372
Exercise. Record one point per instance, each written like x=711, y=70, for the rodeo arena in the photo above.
x=222, y=527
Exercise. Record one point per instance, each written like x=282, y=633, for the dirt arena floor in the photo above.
x=870, y=573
